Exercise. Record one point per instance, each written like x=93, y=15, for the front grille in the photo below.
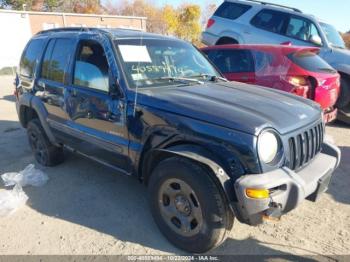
x=304, y=146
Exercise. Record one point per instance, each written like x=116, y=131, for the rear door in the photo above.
x=234, y=64
x=98, y=118
x=53, y=77
x=268, y=27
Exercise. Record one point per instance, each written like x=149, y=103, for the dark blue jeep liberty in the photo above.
x=155, y=108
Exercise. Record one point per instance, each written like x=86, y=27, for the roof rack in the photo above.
x=68, y=29
x=283, y=6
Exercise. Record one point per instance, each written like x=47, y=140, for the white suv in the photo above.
x=255, y=22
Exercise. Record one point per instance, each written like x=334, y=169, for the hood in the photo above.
x=342, y=52
x=234, y=105
x=339, y=59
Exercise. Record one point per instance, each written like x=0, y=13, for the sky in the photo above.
x=335, y=12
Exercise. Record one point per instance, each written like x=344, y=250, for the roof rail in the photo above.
x=272, y=4
x=68, y=29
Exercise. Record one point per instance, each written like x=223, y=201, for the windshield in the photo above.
x=157, y=62
x=333, y=35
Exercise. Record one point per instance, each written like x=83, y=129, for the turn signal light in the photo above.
x=257, y=193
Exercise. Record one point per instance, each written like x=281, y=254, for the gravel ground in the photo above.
x=87, y=209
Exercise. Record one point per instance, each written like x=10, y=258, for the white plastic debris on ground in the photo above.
x=11, y=200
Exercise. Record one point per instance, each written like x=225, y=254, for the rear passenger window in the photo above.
x=232, y=61
x=56, y=59
x=30, y=57
x=231, y=11
x=271, y=20
x=91, y=66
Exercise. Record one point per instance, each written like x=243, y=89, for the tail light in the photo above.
x=301, y=85
x=210, y=23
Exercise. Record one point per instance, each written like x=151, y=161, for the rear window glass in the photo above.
x=231, y=11
x=30, y=57
x=271, y=20
x=232, y=61
x=311, y=62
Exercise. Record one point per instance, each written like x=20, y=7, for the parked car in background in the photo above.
x=255, y=22
x=153, y=107
x=298, y=70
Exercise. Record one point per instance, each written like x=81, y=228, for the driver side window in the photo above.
x=301, y=29
x=91, y=67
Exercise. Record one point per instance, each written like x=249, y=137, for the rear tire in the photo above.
x=188, y=206
x=45, y=153
x=227, y=41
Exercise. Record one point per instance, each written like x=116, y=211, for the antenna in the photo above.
x=137, y=85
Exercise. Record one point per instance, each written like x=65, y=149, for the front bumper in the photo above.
x=330, y=115
x=288, y=188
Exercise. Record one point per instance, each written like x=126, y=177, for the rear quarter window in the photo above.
x=231, y=10
x=311, y=62
x=30, y=57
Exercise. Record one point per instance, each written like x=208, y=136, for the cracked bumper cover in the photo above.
x=289, y=188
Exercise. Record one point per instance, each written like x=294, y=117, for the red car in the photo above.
x=293, y=69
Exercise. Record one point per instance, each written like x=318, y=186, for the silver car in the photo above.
x=255, y=22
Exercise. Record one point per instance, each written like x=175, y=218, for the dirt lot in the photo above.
x=86, y=209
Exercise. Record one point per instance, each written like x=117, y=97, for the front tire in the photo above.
x=45, y=153
x=188, y=206
x=344, y=94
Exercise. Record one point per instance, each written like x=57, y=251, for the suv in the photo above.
x=155, y=108
x=255, y=22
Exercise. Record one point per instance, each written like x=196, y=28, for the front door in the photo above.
x=98, y=118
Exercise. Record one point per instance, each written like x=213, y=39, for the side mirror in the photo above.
x=315, y=39
x=114, y=88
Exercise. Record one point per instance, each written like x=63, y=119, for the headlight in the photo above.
x=268, y=146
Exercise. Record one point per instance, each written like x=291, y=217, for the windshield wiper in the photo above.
x=180, y=79
x=212, y=78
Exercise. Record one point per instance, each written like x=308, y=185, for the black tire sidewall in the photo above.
x=214, y=209
x=54, y=155
x=344, y=94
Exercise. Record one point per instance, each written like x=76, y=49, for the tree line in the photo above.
x=185, y=21
x=346, y=38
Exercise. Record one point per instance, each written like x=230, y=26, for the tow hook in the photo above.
x=274, y=213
